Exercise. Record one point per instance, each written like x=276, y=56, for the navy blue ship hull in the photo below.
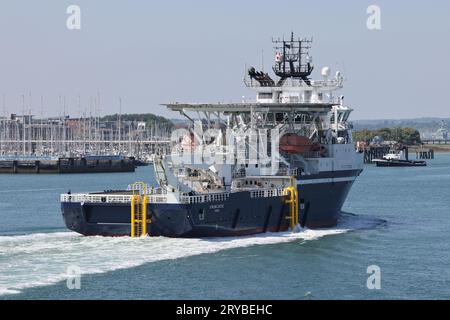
x=238, y=215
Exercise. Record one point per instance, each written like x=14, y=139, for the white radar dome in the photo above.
x=325, y=72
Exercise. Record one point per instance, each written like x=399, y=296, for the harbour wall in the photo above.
x=68, y=165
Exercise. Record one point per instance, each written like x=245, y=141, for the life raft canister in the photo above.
x=293, y=143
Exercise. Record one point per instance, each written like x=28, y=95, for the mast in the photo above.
x=64, y=147
x=292, y=59
x=3, y=126
x=119, y=124
x=30, y=128
x=23, y=125
x=90, y=125
x=41, y=139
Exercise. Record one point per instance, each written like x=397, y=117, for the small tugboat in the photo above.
x=398, y=158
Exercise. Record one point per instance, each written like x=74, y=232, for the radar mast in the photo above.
x=292, y=59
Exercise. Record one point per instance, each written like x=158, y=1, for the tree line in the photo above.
x=408, y=136
x=149, y=118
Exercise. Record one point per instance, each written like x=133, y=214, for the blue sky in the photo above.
x=151, y=52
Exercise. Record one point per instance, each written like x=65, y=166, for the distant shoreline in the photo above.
x=439, y=148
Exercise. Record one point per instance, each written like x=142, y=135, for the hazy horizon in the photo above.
x=152, y=53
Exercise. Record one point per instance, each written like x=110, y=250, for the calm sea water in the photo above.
x=397, y=219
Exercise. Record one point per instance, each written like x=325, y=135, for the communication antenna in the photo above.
x=41, y=137
x=120, y=124
x=262, y=60
x=4, y=105
x=293, y=59
x=23, y=124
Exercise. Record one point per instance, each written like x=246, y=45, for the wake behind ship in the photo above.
x=242, y=168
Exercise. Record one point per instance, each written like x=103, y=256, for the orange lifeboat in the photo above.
x=293, y=143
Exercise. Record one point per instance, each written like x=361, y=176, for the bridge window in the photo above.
x=265, y=95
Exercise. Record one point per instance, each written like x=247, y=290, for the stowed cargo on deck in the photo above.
x=244, y=168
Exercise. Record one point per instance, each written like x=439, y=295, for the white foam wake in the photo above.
x=42, y=259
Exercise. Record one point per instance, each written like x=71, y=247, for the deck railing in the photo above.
x=202, y=198
x=205, y=198
x=267, y=193
x=107, y=198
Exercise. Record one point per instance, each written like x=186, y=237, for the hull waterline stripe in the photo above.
x=329, y=180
